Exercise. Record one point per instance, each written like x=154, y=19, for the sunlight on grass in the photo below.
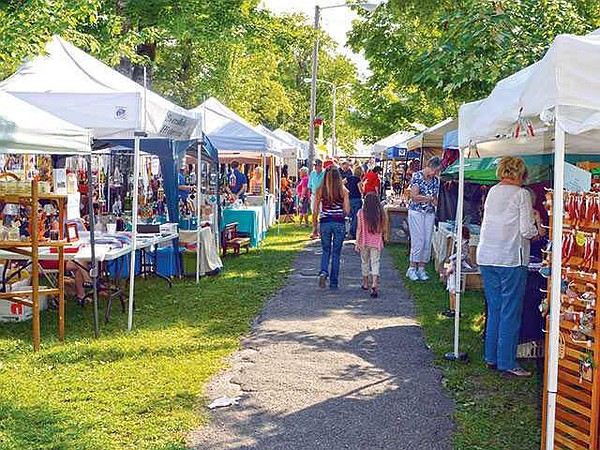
x=492, y=413
x=137, y=390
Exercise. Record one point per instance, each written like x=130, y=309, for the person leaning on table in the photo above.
x=509, y=222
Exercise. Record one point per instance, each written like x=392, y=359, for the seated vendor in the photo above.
x=237, y=182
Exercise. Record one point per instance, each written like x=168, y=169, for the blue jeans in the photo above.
x=504, y=290
x=332, y=239
x=355, y=205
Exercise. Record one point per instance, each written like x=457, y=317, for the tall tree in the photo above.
x=427, y=57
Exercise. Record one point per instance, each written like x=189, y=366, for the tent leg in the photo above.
x=93, y=263
x=455, y=355
x=198, y=211
x=553, y=335
x=134, y=222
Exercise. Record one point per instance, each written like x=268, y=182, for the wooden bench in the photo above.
x=230, y=239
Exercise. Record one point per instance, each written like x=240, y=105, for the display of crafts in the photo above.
x=579, y=290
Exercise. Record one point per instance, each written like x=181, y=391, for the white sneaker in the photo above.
x=411, y=274
x=422, y=275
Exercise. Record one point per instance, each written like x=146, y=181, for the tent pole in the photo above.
x=555, y=282
x=93, y=263
x=198, y=210
x=134, y=222
x=455, y=355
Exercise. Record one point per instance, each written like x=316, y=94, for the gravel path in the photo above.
x=332, y=370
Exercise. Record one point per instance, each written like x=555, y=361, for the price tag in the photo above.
x=580, y=238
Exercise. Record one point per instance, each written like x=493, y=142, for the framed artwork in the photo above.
x=72, y=233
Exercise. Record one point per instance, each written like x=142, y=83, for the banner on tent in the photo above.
x=288, y=153
x=177, y=126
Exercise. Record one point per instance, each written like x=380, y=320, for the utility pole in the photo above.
x=313, y=90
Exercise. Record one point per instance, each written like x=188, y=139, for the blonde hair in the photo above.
x=513, y=168
x=358, y=172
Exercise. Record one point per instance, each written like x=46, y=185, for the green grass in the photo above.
x=138, y=390
x=491, y=412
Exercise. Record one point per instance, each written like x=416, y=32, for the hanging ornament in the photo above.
x=523, y=127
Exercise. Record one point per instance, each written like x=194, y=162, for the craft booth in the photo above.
x=69, y=83
x=550, y=107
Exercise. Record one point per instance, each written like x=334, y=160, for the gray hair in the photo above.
x=435, y=163
x=303, y=169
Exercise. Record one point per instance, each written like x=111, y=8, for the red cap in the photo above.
x=327, y=164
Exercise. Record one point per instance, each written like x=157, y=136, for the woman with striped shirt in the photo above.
x=334, y=202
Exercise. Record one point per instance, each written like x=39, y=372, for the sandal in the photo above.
x=518, y=372
x=323, y=280
x=491, y=366
x=374, y=293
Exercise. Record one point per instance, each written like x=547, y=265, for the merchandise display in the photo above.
x=578, y=396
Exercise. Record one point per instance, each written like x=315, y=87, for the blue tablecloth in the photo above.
x=250, y=219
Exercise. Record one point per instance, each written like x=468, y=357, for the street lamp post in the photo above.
x=315, y=66
x=313, y=90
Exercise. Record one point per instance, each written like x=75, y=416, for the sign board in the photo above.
x=577, y=179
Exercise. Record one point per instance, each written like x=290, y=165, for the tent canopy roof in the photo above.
x=301, y=146
x=27, y=129
x=397, y=140
x=566, y=77
x=229, y=132
x=78, y=88
x=432, y=137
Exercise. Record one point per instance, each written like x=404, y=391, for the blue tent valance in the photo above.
x=401, y=152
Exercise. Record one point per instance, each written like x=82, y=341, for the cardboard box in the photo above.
x=15, y=312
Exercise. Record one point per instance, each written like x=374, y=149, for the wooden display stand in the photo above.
x=578, y=393
x=30, y=248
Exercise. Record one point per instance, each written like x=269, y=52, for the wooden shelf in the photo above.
x=41, y=244
x=27, y=293
x=578, y=400
x=30, y=248
x=27, y=199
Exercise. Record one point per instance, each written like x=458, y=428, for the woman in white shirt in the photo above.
x=509, y=222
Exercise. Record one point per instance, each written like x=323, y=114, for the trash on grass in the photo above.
x=223, y=401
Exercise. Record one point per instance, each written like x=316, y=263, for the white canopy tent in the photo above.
x=432, y=137
x=27, y=129
x=292, y=140
x=560, y=96
x=398, y=139
x=76, y=87
x=230, y=133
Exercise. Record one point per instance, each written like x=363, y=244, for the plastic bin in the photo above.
x=189, y=262
x=165, y=261
x=113, y=266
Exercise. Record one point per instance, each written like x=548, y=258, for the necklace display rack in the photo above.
x=578, y=394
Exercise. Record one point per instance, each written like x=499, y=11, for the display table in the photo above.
x=104, y=253
x=250, y=220
x=397, y=220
